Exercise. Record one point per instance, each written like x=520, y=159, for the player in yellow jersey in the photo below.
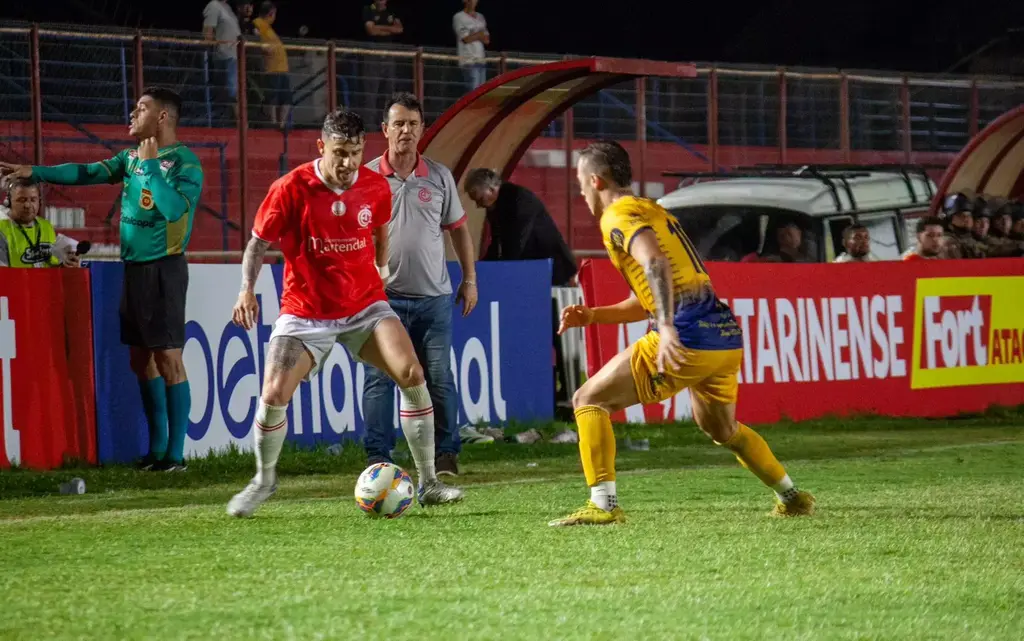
x=697, y=343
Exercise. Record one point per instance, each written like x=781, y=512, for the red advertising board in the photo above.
x=920, y=338
x=47, y=384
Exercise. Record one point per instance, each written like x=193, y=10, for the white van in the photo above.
x=730, y=215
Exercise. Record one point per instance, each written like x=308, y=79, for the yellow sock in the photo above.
x=597, y=444
x=755, y=455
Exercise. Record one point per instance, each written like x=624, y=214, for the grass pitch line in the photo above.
x=190, y=507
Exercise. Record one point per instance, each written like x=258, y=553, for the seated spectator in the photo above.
x=521, y=227
x=960, y=241
x=996, y=246
x=857, y=242
x=785, y=247
x=1017, y=230
x=1002, y=221
x=26, y=238
x=930, y=236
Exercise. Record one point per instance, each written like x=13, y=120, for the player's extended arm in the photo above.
x=172, y=200
x=627, y=311
x=94, y=173
x=252, y=261
x=645, y=250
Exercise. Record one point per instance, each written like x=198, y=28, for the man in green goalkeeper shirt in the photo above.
x=161, y=182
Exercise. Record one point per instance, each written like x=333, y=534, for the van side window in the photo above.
x=730, y=233
x=883, y=228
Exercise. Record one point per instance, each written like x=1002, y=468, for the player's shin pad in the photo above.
x=754, y=454
x=597, y=444
x=416, y=413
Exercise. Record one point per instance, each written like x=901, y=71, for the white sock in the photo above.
x=785, y=489
x=416, y=413
x=604, y=496
x=269, y=429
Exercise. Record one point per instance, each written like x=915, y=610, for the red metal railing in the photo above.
x=778, y=101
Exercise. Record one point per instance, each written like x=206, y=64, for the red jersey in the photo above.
x=326, y=236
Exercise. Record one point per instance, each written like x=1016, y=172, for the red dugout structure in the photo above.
x=495, y=125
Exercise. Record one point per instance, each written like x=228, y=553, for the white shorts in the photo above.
x=319, y=336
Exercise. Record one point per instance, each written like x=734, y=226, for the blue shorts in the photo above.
x=279, y=89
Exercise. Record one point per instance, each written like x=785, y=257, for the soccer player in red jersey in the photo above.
x=330, y=218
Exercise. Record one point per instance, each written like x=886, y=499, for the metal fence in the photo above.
x=87, y=82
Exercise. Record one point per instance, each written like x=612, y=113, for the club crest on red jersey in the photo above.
x=338, y=208
x=365, y=216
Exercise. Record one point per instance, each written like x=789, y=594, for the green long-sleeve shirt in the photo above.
x=158, y=197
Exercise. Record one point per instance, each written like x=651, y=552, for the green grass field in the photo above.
x=919, y=535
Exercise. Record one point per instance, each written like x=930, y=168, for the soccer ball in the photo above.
x=384, y=490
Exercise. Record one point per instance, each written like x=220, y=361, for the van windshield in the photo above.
x=731, y=233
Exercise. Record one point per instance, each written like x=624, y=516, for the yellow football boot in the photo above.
x=801, y=505
x=590, y=514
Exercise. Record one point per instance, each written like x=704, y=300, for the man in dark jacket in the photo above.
x=521, y=227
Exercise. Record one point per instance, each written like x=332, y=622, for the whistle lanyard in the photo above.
x=39, y=235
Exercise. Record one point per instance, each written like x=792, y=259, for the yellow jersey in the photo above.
x=702, y=320
x=277, y=56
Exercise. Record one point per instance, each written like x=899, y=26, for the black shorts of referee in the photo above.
x=153, y=303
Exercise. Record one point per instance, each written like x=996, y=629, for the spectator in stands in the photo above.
x=521, y=227
x=982, y=220
x=220, y=25
x=244, y=11
x=278, y=85
x=785, y=247
x=857, y=242
x=1002, y=221
x=382, y=25
x=425, y=204
x=1017, y=230
x=471, y=35
x=960, y=241
x=995, y=246
x=26, y=238
x=930, y=236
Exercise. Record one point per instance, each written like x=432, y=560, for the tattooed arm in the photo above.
x=645, y=250
x=252, y=262
x=247, y=308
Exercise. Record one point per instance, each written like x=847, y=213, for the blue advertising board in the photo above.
x=501, y=359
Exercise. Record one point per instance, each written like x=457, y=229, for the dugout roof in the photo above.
x=495, y=125
x=992, y=163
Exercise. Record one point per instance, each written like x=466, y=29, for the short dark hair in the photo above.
x=851, y=230
x=403, y=99
x=167, y=99
x=482, y=177
x=929, y=221
x=266, y=8
x=9, y=184
x=18, y=183
x=609, y=159
x=343, y=123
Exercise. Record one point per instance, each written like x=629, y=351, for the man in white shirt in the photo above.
x=220, y=25
x=470, y=37
x=857, y=241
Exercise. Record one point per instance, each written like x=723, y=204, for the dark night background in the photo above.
x=914, y=36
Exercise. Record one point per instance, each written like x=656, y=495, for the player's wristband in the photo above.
x=384, y=271
x=469, y=282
